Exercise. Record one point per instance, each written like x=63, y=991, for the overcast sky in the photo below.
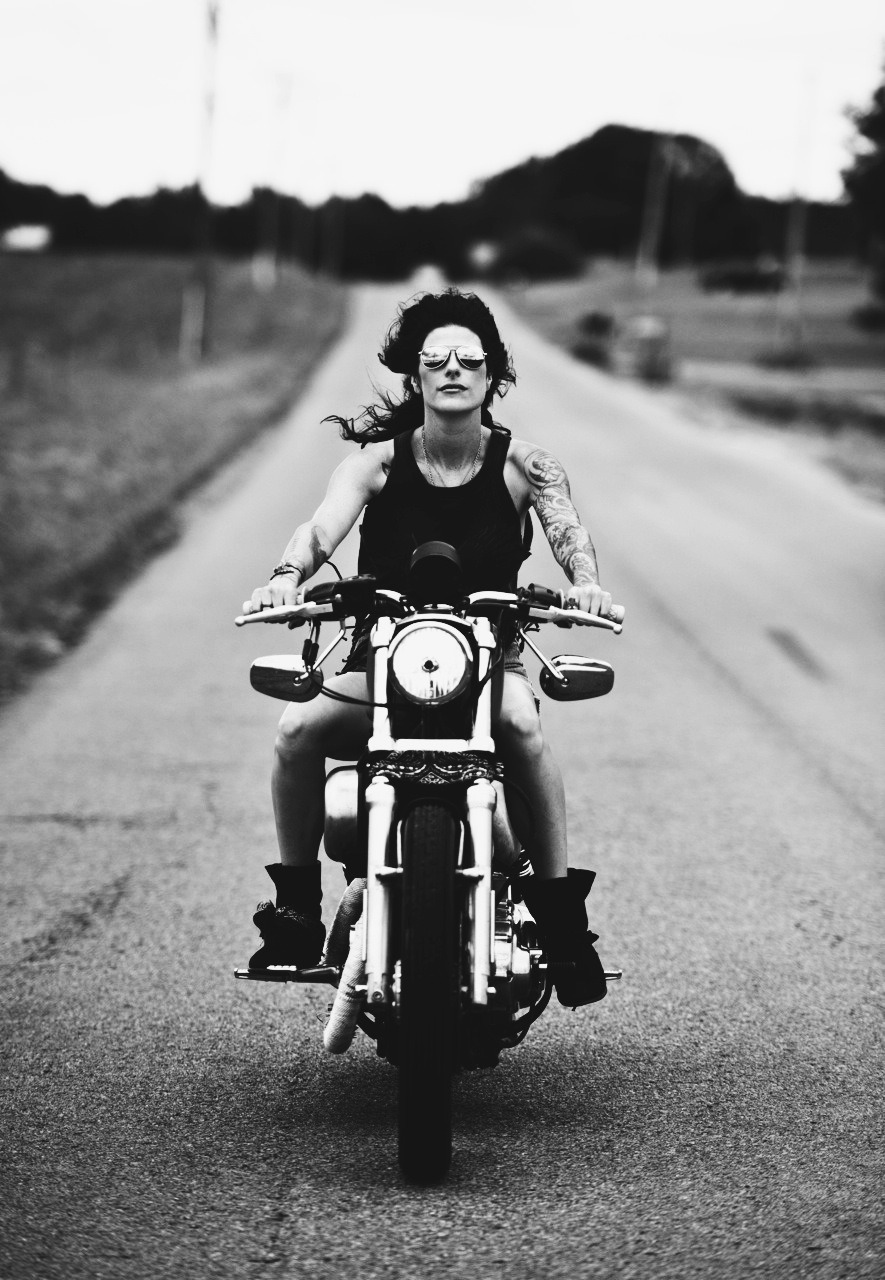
x=417, y=99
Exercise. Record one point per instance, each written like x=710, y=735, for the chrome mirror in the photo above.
x=284, y=675
x=576, y=677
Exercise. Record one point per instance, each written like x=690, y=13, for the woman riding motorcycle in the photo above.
x=433, y=466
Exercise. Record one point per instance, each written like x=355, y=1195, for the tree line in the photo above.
x=540, y=217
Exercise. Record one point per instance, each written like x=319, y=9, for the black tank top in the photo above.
x=478, y=518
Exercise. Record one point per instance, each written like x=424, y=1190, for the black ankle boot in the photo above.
x=292, y=931
x=561, y=916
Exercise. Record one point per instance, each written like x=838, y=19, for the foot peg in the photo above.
x=329, y=974
x=557, y=967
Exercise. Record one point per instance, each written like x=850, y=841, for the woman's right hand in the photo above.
x=282, y=590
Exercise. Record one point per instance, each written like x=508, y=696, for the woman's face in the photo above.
x=451, y=388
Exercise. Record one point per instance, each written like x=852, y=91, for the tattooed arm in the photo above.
x=353, y=483
x=569, y=540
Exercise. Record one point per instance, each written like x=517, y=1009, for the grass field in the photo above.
x=730, y=346
x=103, y=431
x=715, y=326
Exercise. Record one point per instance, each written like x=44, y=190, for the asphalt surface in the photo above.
x=719, y=1115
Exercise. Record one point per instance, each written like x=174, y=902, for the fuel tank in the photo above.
x=340, y=834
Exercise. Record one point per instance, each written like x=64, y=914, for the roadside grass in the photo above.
x=844, y=432
x=744, y=332
x=713, y=326
x=103, y=432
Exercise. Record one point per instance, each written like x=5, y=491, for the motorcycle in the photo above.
x=433, y=953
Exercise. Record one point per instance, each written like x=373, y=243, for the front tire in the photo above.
x=429, y=992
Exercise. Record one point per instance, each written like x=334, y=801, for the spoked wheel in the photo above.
x=429, y=992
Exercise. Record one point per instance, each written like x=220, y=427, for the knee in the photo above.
x=519, y=731
x=294, y=736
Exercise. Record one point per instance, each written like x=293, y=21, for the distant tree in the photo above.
x=536, y=253
x=865, y=185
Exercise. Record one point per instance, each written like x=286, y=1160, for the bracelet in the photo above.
x=283, y=569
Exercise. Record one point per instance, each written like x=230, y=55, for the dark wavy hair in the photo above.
x=415, y=319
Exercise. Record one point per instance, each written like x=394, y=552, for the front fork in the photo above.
x=380, y=804
x=380, y=801
x=481, y=800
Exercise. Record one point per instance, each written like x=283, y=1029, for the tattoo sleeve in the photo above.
x=305, y=549
x=551, y=498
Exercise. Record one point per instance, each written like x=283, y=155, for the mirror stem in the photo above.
x=557, y=675
x=329, y=647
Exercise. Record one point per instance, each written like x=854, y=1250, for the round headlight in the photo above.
x=430, y=663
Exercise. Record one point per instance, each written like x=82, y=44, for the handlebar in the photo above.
x=533, y=603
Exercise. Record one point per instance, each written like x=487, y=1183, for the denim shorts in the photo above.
x=513, y=661
x=513, y=664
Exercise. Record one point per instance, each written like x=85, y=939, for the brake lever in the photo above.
x=561, y=619
x=286, y=613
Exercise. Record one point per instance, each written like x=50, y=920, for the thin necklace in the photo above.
x=431, y=466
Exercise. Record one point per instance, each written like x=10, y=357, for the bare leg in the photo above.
x=529, y=762
x=308, y=733
x=311, y=731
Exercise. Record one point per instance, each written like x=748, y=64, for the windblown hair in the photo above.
x=405, y=338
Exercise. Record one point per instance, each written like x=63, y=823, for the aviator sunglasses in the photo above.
x=467, y=357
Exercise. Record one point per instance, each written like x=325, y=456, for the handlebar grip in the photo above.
x=616, y=613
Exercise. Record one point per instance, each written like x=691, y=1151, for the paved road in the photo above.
x=719, y=1115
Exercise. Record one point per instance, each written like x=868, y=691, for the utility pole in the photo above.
x=195, y=337
x=332, y=230
x=791, y=311
x=792, y=326
x=266, y=254
x=653, y=213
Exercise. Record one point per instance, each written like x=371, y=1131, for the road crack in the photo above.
x=797, y=652
x=71, y=924
x=86, y=821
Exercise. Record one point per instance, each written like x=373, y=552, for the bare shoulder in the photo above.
x=367, y=468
